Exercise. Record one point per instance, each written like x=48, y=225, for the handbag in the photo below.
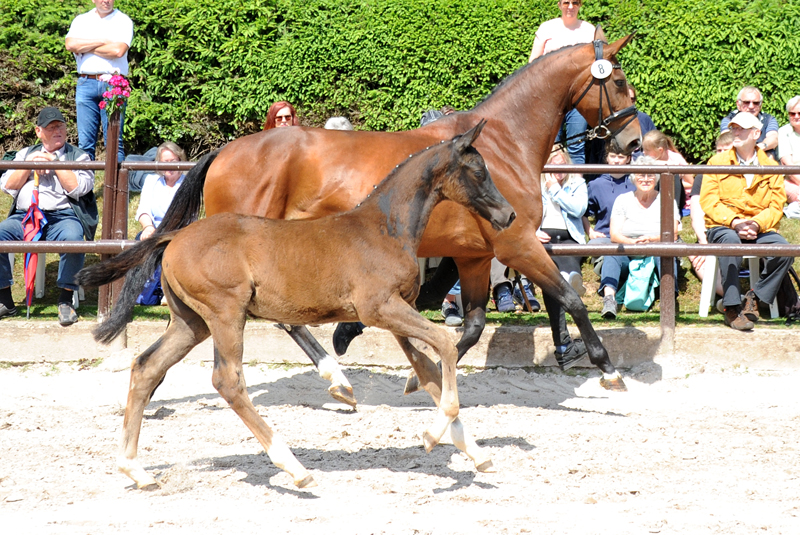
x=639, y=292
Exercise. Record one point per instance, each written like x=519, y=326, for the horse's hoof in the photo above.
x=306, y=483
x=428, y=441
x=412, y=384
x=615, y=385
x=485, y=466
x=343, y=394
x=155, y=485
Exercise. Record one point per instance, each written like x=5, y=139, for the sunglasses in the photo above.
x=570, y=3
x=794, y=114
x=280, y=118
x=751, y=102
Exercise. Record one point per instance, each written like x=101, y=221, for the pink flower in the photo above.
x=115, y=79
x=102, y=104
x=126, y=93
x=116, y=91
x=106, y=94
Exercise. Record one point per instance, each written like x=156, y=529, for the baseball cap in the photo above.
x=746, y=120
x=48, y=115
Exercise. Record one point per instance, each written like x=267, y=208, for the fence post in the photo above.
x=668, y=275
x=110, y=191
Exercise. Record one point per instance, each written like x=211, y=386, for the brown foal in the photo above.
x=222, y=269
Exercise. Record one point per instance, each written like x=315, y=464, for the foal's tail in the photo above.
x=138, y=262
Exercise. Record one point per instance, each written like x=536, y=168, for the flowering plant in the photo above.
x=117, y=95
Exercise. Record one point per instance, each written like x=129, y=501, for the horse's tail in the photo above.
x=185, y=206
x=138, y=262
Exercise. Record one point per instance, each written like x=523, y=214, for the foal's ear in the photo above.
x=465, y=140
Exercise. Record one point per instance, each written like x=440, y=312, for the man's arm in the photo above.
x=104, y=49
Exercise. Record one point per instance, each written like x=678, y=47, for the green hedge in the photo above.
x=205, y=72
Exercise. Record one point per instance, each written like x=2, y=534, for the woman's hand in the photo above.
x=646, y=239
x=550, y=181
x=593, y=234
x=543, y=236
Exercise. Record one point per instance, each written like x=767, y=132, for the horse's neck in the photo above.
x=406, y=200
x=534, y=101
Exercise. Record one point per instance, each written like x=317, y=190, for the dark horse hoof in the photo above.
x=344, y=334
x=343, y=394
x=616, y=384
x=412, y=384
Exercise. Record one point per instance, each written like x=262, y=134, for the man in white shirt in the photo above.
x=64, y=196
x=100, y=40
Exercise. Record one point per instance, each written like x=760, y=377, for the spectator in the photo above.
x=724, y=143
x=602, y=192
x=159, y=189
x=65, y=197
x=338, y=123
x=645, y=122
x=749, y=100
x=280, y=114
x=789, y=154
x=660, y=147
x=635, y=219
x=554, y=34
x=447, y=109
x=564, y=200
x=136, y=178
x=745, y=208
x=100, y=40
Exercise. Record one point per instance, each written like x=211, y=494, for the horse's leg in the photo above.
x=474, y=297
x=531, y=259
x=405, y=322
x=186, y=329
x=328, y=368
x=431, y=295
x=228, y=378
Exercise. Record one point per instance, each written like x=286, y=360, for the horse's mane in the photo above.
x=511, y=77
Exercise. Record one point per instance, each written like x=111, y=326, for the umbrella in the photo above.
x=32, y=225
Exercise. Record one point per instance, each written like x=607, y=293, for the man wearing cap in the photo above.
x=745, y=208
x=750, y=100
x=99, y=39
x=66, y=199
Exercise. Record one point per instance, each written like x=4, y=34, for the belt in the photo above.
x=91, y=76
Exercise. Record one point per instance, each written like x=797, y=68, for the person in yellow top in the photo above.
x=745, y=208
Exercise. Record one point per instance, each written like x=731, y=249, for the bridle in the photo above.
x=601, y=72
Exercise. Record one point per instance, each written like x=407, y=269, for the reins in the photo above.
x=601, y=71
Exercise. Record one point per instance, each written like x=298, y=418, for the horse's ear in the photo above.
x=465, y=140
x=599, y=34
x=612, y=49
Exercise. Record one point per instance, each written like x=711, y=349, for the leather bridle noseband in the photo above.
x=602, y=130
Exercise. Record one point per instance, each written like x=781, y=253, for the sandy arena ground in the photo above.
x=686, y=450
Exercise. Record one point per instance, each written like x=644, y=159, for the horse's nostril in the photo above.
x=511, y=218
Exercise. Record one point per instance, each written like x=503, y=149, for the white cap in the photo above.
x=746, y=120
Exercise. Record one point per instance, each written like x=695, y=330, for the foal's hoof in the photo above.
x=616, y=384
x=485, y=466
x=412, y=384
x=343, y=394
x=306, y=483
x=428, y=441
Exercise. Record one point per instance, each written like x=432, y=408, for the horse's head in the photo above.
x=601, y=95
x=470, y=184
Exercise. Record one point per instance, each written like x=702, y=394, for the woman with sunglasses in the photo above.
x=281, y=114
x=553, y=34
x=789, y=150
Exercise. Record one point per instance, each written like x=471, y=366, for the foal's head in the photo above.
x=468, y=182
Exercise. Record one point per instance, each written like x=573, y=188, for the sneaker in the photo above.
x=609, y=307
x=736, y=320
x=574, y=353
x=720, y=307
x=6, y=312
x=750, y=306
x=452, y=316
x=66, y=314
x=503, y=300
x=535, y=306
x=576, y=281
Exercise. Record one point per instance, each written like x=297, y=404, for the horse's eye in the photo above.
x=620, y=83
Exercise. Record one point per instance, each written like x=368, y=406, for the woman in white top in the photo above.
x=564, y=201
x=789, y=148
x=553, y=34
x=159, y=189
x=635, y=219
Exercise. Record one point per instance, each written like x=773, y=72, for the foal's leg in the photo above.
x=186, y=329
x=404, y=321
x=531, y=259
x=328, y=368
x=228, y=378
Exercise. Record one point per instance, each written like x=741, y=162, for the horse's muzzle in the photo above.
x=503, y=219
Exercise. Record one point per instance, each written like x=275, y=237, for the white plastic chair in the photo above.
x=710, y=274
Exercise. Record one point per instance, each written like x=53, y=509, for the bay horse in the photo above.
x=218, y=271
x=306, y=173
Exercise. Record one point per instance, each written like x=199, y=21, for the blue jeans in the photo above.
x=575, y=125
x=88, y=95
x=62, y=225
